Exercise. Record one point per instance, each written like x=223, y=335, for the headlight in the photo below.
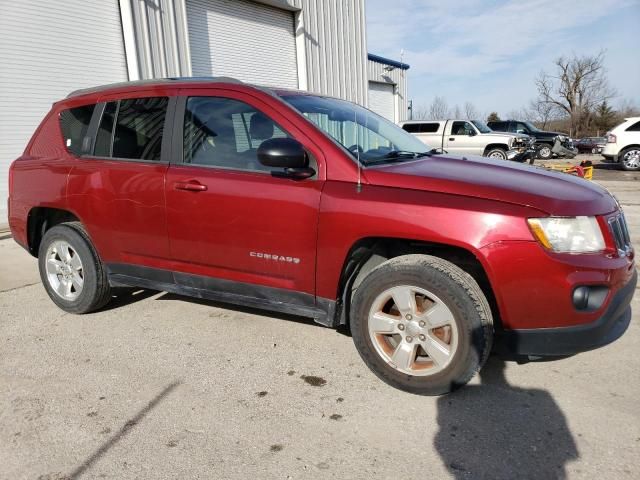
x=573, y=234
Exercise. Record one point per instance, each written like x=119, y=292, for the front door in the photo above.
x=464, y=139
x=228, y=218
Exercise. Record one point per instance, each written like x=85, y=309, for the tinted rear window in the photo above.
x=634, y=128
x=498, y=126
x=421, y=127
x=75, y=123
x=132, y=129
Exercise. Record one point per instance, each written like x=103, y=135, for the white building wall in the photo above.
x=331, y=43
x=384, y=73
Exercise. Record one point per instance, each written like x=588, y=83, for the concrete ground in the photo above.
x=161, y=386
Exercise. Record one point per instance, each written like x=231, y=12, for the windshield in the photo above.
x=531, y=127
x=364, y=134
x=481, y=126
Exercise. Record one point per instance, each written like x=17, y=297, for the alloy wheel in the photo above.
x=413, y=330
x=631, y=159
x=64, y=270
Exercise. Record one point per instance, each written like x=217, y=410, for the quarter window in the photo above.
x=132, y=129
x=74, y=124
x=226, y=133
x=634, y=128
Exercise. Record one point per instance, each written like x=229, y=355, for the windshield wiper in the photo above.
x=405, y=154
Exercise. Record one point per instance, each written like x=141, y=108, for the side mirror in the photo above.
x=472, y=133
x=287, y=154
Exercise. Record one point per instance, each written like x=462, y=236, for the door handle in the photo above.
x=190, y=186
x=451, y=139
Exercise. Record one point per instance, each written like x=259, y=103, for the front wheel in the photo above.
x=630, y=159
x=421, y=324
x=497, y=153
x=71, y=271
x=544, y=152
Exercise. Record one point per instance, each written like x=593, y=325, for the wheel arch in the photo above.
x=493, y=146
x=41, y=219
x=367, y=253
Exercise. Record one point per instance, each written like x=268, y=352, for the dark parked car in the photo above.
x=545, y=141
x=315, y=206
x=590, y=144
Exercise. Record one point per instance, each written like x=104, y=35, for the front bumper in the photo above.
x=565, y=341
x=521, y=155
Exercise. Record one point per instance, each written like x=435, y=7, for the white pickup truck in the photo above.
x=472, y=137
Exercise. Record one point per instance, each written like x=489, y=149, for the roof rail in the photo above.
x=152, y=81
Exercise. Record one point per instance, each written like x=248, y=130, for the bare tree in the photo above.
x=471, y=112
x=457, y=113
x=439, y=109
x=577, y=86
x=541, y=113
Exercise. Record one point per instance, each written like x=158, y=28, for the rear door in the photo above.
x=117, y=187
x=232, y=225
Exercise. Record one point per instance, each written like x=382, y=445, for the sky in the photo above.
x=489, y=52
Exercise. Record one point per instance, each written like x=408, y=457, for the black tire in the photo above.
x=495, y=152
x=95, y=292
x=625, y=164
x=458, y=291
x=544, y=151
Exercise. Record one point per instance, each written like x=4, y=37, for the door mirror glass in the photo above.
x=282, y=153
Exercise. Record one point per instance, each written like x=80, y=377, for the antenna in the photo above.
x=355, y=123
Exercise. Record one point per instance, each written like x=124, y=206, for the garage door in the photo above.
x=48, y=49
x=382, y=100
x=246, y=40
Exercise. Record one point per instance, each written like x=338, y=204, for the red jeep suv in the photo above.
x=311, y=205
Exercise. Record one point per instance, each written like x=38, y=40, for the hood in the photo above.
x=541, y=134
x=554, y=193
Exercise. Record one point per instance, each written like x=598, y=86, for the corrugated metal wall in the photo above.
x=335, y=47
x=48, y=49
x=331, y=33
x=376, y=73
x=161, y=42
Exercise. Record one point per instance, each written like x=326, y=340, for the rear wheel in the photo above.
x=421, y=324
x=630, y=159
x=499, y=153
x=544, y=152
x=71, y=271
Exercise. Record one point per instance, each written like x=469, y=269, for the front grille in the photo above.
x=620, y=232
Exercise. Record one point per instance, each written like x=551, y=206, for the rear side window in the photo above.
x=75, y=123
x=132, y=129
x=498, y=126
x=421, y=127
x=634, y=128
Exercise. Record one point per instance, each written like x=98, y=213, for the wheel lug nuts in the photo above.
x=401, y=327
x=422, y=338
x=409, y=339
x=422, y=323
x=408, y=316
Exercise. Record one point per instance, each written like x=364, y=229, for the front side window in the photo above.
x=462, y=128
x=368, y=136
x=226, y=133
x=132, y=129
x=74, y=123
